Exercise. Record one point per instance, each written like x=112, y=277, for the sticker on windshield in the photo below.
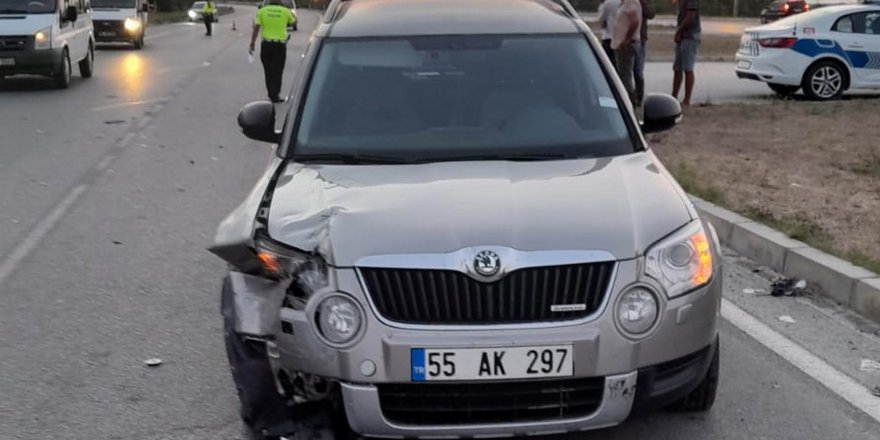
x=607, y=102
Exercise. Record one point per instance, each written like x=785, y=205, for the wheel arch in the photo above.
x=839, y=61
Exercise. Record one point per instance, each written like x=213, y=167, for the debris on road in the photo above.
x=870, y=366
x=787, y=287
x=115, y=121
x=153, y=362
x=876, y=390
x=786, y=319
x=117, y=242
x=754, y=291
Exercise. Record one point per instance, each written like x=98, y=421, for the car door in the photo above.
x=871, y=41
x=849, y=33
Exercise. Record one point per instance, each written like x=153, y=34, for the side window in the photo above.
x=844, y=24
x=872, y=23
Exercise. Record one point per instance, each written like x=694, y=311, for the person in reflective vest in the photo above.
x=271, y=25
x=208, y=12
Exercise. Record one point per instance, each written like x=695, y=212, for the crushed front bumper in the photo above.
x=638, y=374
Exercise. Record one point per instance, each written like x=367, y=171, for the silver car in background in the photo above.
x=464, y=233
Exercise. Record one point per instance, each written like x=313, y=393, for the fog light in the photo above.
x=368, y=368
x=637, y=310
x=339, y=319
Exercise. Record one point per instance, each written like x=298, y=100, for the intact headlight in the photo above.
x=683, y=261
x=43, y=39
x=339, y=319
x=192, y=14
x=132, y=24
x=637, y=310
x=279, y=262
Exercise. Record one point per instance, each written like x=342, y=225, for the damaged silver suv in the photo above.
x=465, y=234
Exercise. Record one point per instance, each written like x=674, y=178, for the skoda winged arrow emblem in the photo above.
x=487, y=263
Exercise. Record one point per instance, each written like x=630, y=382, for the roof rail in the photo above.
x=330, y=13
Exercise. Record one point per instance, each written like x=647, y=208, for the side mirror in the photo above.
x=70, y=13
x=662, y=112
x=257, y=122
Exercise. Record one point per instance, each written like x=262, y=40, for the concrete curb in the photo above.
x=841, y=281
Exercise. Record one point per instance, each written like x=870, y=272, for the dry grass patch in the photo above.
x=811, y=170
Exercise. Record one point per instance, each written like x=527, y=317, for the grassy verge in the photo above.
x=809, y=170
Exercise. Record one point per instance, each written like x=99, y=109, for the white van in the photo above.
x=120, y=21
x=46, y=37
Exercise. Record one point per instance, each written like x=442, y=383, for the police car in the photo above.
x=824, y=52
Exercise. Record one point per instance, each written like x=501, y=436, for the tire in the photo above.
x=62, y=76
x=702, y=398
x=784, y=90
x=87, y=64
x=139, y=43
x=295, y=27
x=824, y=81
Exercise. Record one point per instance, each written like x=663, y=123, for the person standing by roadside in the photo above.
x=271, y=24
x=208, y=12
x=607, y=16
x=687, y=41
x=626, y=43
x=648, y=13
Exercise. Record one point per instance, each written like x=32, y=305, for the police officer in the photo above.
x=271, y=24
x=208, y=12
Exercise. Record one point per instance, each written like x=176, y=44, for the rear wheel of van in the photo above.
x=87, y=64
x=139, y=43
x=62, y=76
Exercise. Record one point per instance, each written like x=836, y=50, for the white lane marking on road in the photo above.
x=130, y=104
x=144, y=122
x=105, y=162
x=164, y=34
x=125, y=141
x=11, y=262
x=836, y=381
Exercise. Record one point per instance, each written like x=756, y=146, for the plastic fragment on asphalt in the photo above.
x=870, y=365
x=751, y=291
x=876, y=390
x=786, y=319
x=153, y=362
x=787, y=287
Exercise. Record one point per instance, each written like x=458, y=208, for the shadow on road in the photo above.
x=31, y=83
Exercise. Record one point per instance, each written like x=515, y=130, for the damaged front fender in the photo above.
x=257, y=304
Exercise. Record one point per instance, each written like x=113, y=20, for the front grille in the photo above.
x=446, y=297
x=13, y=43
x=494, y=402
x=108, y=27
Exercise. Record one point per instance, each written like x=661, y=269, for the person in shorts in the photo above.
x=687, y=41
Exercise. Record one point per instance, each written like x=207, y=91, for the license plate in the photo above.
x=107, y=34
x=472, y=364
x=7, y=61
x=743, y=64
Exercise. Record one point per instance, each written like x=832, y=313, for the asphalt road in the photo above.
x=111, y=191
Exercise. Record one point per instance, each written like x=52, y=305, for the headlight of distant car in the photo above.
x=683, y=261
x=132, y=24
x=279, y=262
x=192, y=14
x=43, y=39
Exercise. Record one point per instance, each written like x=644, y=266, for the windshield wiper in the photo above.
x=526, y=157
x=352, y=159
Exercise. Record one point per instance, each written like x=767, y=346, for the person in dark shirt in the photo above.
x=648, y=13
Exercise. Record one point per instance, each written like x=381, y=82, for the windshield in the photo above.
x=27, y=6
x=198, y=6
x=113, y=4
x=460, y=97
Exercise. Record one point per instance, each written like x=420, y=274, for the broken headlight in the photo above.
x=277, y=261
x=683, y=261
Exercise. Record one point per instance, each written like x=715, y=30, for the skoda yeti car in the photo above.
x=464, y=233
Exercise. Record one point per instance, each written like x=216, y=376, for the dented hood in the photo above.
x=621, y=205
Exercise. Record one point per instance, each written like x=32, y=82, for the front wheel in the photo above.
x=62, y=76
x=702, y=398
x=139, y=43
x=87, y=64
x=784, y=90
x=824, y=81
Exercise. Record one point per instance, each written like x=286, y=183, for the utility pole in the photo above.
x=735, y=8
